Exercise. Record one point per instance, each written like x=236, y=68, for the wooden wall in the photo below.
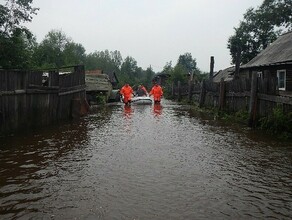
x=236, y=95
x=26, y=103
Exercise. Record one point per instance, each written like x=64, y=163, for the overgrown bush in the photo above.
x=241, y=116
x=278, y=123
x=101, y=99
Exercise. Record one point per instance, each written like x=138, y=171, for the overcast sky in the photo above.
x=153, y=32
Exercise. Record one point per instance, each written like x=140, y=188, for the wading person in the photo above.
x=141, y=91
x=126, y=91
x=157, y=92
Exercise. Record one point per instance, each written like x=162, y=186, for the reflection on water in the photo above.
x=128, y=111
x=157, y=109
x=145, y=162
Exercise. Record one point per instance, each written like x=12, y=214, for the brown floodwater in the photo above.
x=145, y=162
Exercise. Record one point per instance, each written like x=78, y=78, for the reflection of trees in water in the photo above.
x=99, y=117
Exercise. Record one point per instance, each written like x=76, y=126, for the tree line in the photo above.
x=20, y=50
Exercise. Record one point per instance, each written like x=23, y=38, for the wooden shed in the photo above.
x=226, y=74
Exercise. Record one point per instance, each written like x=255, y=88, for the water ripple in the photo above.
x=144, y=162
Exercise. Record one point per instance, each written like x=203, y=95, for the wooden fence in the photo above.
x=32, y=99
x=256, y=96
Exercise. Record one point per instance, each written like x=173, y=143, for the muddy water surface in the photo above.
x=145, y=162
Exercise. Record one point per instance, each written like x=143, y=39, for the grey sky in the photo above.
x=153, y=32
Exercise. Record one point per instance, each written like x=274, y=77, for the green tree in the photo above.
x=16, y=41
x=56, y=50
x=129, y=70
x=179, y=73
x=186, y=60
x=167, y=68
x=74, y=54
x=16, y=51
x=116, y=58
x=13, y=14
x=148, y=75
x=108, y=61
x=259, y=28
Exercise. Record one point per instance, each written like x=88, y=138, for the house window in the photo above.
x=281, y=74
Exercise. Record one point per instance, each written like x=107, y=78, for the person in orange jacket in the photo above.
x=157, y=92
x=127, y=92
x=141, y=91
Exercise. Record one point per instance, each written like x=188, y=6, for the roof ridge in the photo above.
x=288, y=32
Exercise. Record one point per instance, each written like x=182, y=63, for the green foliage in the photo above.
x=16, y=41
x=108, y=61
x=134, y=75
x=129, y=67
x=278, y=122
x=167, y=69
x=147, y=79
x=186, y=60
x=200, y=76
x=185, y=66
x=13, y=14
x=16, y=51
x=49, y=52
x=179, y=73
x=259, y=28
x=74, y=54
x=101, y=99
x=19, y=49
x=57, y=50
x=241, y=116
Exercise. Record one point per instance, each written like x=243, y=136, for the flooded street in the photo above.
x=145, y=162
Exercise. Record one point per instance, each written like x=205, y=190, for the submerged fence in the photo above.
x=257, y=96
x=32, y=99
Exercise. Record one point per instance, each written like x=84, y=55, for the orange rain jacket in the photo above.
x=141, y=91
x=157, y=92
x=127, y=92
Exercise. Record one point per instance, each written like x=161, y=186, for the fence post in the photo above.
x=222, y=94
x=211, y=68
x=172, y=91
x=202, y=94
x=253, y=100
x=179, y=91
x=191, y=86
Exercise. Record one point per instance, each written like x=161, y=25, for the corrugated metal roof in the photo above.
x=278, y=52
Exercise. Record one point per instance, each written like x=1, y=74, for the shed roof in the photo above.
x=227, y=74
x=278, y=52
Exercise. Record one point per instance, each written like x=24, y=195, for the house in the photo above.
x=226, y=74
x=161, y=78
x=273, y=62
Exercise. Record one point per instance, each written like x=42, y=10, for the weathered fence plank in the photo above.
x=257, y=96
x=26, y=102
